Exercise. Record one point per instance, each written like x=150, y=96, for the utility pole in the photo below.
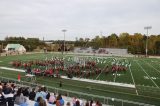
x=64, y=30
x=147, y=28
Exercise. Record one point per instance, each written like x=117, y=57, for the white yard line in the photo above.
x=115, y=76
x=101, y=82
x=103, y=69
x=147, y=74
x=82, y=79
x=158, y=63
x=133, y=79
x=13, y=69
x=152, y=66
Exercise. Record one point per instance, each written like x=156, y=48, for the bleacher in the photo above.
x=108, y=51
x=114, y=51
x=66, y=100
x=68, y=95
x=15, y=87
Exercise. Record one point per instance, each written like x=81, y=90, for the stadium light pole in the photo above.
x=147, y=28
x=64, y=30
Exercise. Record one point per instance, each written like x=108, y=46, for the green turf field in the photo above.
x=144, y=73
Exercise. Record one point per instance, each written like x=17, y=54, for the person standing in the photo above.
x=19, y=77
x=60, y=84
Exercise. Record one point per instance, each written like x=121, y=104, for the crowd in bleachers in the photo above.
x=13, y=95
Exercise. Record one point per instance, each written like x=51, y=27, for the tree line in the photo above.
x=136, y=43
x=30, y=43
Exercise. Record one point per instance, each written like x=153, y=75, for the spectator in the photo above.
x=77, y=103
x=91, y=102
x=68, y=104
x=81, y=102
x=37, y=102
x=43, y=92
x=38, y=94
x=25, y=92
x=42, y=102
x=74, y=101
x=58, y=103
x=60, y=84
x=52, y=99
x=0, y=85
x=13, y=87
x=48, y=96
x=32, y=95
x=8, y=94
x=60, y=100
x=87, y=103
x=7, y=89
x=98, y=103
x=2, y=99
x=19, y=98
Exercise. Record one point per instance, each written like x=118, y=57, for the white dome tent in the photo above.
x=15, y=48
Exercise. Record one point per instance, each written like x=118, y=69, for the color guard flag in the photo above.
x=19, y=77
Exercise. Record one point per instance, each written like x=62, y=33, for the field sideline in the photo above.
x=144, y=73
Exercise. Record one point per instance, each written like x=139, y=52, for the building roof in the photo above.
x=16, y=46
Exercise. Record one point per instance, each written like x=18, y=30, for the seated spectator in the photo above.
x=74, y=101
x=40, y=102
x=19, y=98
x=7, y=89
x=38, y=94
x=52, y=98
x=26, y=95
x=77, y=103
x=22, y=95
x=59, y=100
x=2, y=99
x=32, y=95
x=48, y=96
x=13, y=87
x=0, y=85
x=91, y=102
x=98, y=103
x=8, y=94
x=68, y=104
x=37, y=102
x=43, y=92
x=58, y=103
x=87, y=103
x=25, y=92
x=4, y=86
x=81, y=102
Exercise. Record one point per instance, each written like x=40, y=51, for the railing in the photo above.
x=81, y=95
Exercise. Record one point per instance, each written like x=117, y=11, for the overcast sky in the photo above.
x=81, y=18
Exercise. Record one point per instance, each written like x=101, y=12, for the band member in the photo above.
x=19, y=77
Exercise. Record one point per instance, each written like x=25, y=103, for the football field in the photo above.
x=142, y=73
